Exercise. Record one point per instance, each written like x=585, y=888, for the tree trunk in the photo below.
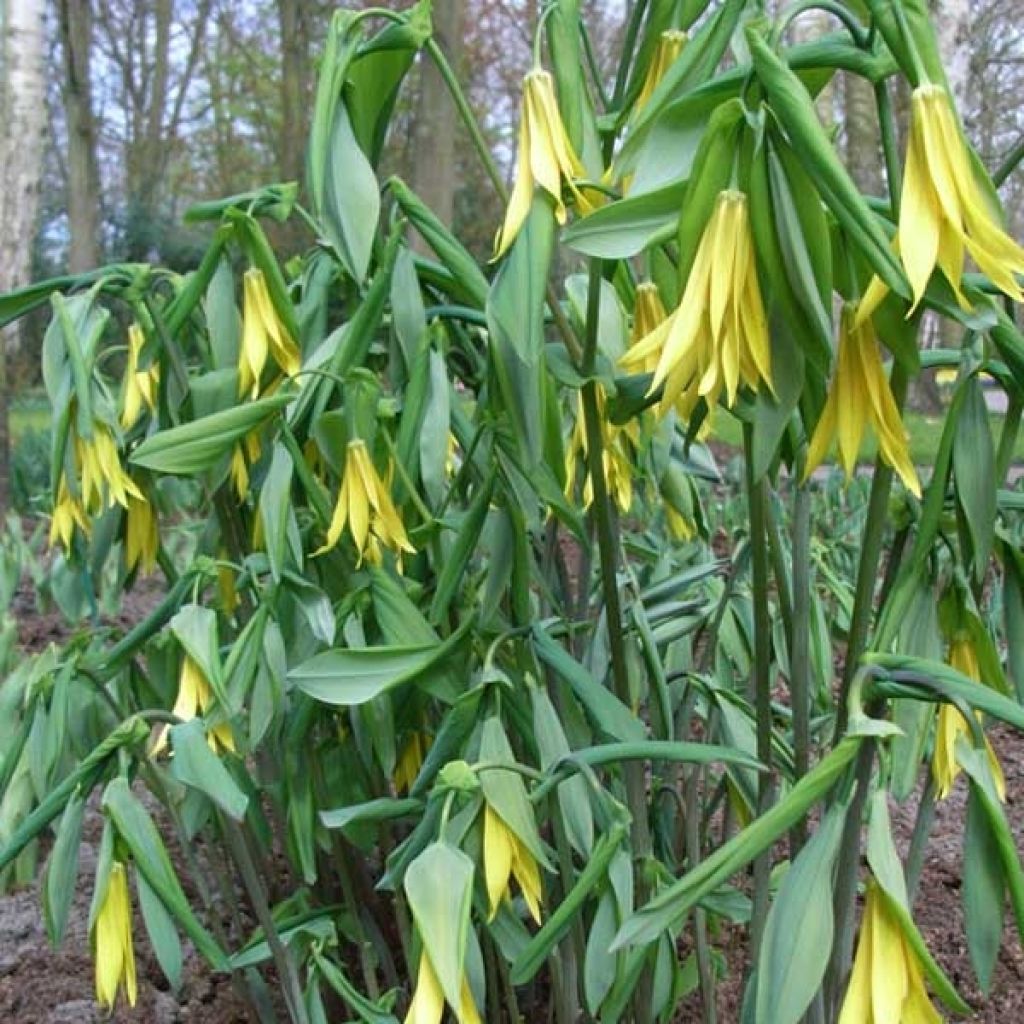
x=863, y=142
x=21, y=164
x=434, y=175
x=294, y=105
x=83, y=174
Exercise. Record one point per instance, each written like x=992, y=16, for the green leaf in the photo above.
x=573, y=795
x=199, y=445
x=130, y=732
x=626, y=227
x=505, y=791
x=275, y=508
x=351, y=198
x=975, y=476
x=195, y=628
x=983, y=891
x=139, y=834
x=798, y=935
x=369, y=1012
x=381, y=809
x=607, y=713
x=795, y=110
x=887, y=868
x=473, y=285
x=458, y=558
x=975, y=764
x=196, y=765
x=439, y=888
x=598, y=964
x=163, y=936
x=349, y=676
x=515, y=323
x=62, y=870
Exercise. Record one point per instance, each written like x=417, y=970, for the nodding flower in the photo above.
x=113, y=951
x=546, y=159
x=859, y=399
x=365, y=506
x=950, y=725
x=263, y=336
x=717, y=338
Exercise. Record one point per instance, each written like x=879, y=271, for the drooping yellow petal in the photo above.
x=427, y=1004
x=943, y=210
x=141, y=536
x=545, y=159
x=527, y=874
x=113, y=949
x=889, y=981
x=498, y=852
x=670, y=46
x=857, y=1002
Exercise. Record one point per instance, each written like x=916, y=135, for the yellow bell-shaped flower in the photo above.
x=195, y=697
x=546, y=159
x=113, y=951
x=410, y=761
x=951, y=725
x=140, y=386
x=858, y=399
x=670, y=46
x=68, y=513
x=618, y=470
x=427, y=1006
x=506, y=857
x=943, y=212
x=263, y=336
x=141, y=536
x=886, y=984
x=365, y=506
x=648, y=315
x=103, y=480
x=717, y=338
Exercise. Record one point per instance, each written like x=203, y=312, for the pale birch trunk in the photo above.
x=21, y=158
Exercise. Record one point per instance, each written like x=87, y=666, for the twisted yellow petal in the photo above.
x=365, y=506
x=950, y=725
x=506, y=857
x=141, y=536
x=670, y=46
x=886, y=985
x=263, y=335
x=717, y=339
x=545, y=159
x=113, y=950
x=860, y=398
x=943, y=211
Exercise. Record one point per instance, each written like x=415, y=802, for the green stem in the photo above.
x=1009, y=165
x=870, y=555
x=629, y=50
x=760, y=681
x=845, y=892
x=799, y=643
x=705, y=968
x=887, y=130
x=607, y=542
x=254, y=887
